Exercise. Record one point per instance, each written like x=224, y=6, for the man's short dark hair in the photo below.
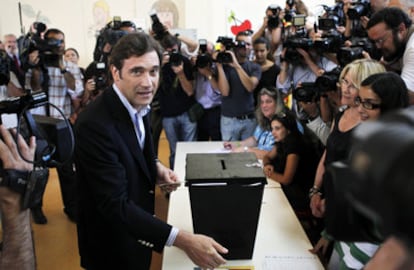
x=391, y=16
x=262, y=40
x=134, y=44
x=53, y=31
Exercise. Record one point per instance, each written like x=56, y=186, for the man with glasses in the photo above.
x=391, y=30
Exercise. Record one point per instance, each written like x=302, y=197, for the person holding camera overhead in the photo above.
x=176, y=95
x=272, y=30
x=207, y=94
x=62, y=82
x=237, y=79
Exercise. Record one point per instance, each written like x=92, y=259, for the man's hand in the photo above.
x=321, y=247
x=201, y=249
x=9, y=154
x=167, y=179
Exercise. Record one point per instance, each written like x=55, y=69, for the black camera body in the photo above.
x=346, y=55
x=157, y=27
x=273, y=20
x=225, y=57
x=328, y=81
x=306, y=92
x=294, y=42
x=204, y=59
x=176, y=58
x=358, y=9
x=110, y=34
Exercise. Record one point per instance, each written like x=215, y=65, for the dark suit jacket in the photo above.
x=116, y=181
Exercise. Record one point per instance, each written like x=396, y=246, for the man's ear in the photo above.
x=116, y=74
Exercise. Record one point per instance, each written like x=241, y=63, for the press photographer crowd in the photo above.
x=324, y=103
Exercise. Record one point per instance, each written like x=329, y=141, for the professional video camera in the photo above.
x=110, y=34
x=331, y=40
x=157, y=27
x=273, y=20
x=328, y=81
x=369, y=197
x=4, y=68
x=54, y=136
x=297, y=39
x=334, y=13
x=33, y=41
x=306, y=92
x=203, y=59
x=358, y=9
x=346, y=55
x=54, y=145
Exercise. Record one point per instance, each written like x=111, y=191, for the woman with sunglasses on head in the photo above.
x=381, y=93
x=269, y=104
x=292, y=161
x=338, y=147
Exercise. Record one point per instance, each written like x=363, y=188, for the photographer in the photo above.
x=176, y=95
x=237, y=79
x=272, y=30
x=62, y=82
x=300, y=63
x=392, y=32
x=17, y=250
x=208, y=95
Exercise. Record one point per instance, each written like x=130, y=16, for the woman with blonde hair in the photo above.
x=337, y=148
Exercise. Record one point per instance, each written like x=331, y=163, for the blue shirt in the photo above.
x=205, y=94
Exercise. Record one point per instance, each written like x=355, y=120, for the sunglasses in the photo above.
x=367, y=104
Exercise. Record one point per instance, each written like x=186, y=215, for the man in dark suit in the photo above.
x=117, y=170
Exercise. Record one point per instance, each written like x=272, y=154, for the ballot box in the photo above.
x=226, y=191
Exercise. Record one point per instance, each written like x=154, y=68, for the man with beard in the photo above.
x=391, y=30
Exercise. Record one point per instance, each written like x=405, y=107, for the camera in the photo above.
x=176, y=58
x=346, y=55
x=328, y=81
x=289, y=13
x=358, y=9
x=99, y=72
x=33, y=41
x=28, y=101
x=157, y=27
x=110, y=34
x=224, y=57
x=273, y=20
x=334, y=14
x=203, y=59
x=4, y=68
x=306, y=92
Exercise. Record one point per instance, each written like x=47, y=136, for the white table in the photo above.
x=279, y=233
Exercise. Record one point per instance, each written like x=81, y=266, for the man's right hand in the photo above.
x=204, y=251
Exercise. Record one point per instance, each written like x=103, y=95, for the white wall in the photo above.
x=75, y=17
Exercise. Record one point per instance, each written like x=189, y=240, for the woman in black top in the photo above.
x=292, y=161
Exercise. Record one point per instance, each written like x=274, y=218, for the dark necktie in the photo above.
x=16, y=63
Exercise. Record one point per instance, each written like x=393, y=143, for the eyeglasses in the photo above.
x=367, y=104
x=380, y=41
x=347, y=84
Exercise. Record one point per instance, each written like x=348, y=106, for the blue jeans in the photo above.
x=233, y=129
x=178, y=128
